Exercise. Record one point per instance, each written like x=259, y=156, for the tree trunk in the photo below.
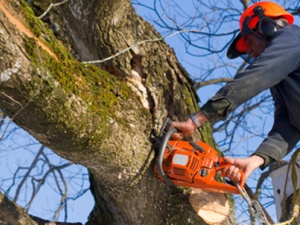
x=100, y=117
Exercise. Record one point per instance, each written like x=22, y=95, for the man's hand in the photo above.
x=186, y=128
x=247, y=165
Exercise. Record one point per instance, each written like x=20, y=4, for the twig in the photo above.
x=50, y=7
x=33, y=164
x=212, y=81
x=137, y=44
x=13, y=117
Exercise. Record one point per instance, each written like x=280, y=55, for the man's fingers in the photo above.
x=233, y=173
x=177, y=136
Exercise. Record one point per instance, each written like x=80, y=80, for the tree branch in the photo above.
x=212, y=81
x=50, y=7
x=136, y=45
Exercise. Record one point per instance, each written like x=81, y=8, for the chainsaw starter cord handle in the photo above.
x=161, y=152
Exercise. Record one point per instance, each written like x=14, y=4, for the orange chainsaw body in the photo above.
x=190, y=164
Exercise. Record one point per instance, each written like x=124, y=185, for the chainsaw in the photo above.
x=191, y=164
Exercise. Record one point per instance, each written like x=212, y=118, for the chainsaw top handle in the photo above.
x=160, y=157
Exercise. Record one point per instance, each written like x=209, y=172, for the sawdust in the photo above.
x=22, y=27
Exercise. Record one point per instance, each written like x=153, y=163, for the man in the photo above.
x=269, y=36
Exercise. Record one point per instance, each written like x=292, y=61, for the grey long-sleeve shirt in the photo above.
x=277, y=69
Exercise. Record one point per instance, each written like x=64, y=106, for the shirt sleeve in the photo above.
x=281, y=139
x=217, y=109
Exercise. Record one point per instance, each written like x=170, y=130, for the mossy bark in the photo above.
x=100, y=116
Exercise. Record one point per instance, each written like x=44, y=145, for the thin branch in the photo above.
x=50, y=7
x=138, y=44
x=64, y=195
x=212, y=81
x=28, y=173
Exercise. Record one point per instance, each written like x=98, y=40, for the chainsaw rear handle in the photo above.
x=222, y=165
x=161, y=153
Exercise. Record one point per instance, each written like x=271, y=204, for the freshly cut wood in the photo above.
x=212, y=207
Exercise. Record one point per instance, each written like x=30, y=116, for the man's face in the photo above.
x=255, y=45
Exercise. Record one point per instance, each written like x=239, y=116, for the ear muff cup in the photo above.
x=267, y=27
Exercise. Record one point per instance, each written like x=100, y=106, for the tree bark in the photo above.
x=100, y=117
x=11, y=214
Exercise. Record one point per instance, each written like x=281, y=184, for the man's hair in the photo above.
x=281, y=22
